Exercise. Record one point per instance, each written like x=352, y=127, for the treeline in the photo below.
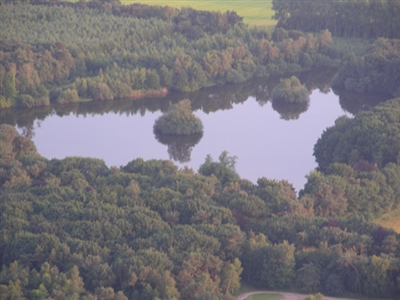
x=376, y=71
x=364, y=151
x=75, y=228
x=101, y=50
x=372, y=136
x=362, y=19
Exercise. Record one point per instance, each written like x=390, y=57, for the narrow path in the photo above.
x=286, y=296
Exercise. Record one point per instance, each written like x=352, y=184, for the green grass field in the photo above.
x=247, y=288
x=265, y=297
x=256, y=12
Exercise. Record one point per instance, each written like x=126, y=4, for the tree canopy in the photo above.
x=377, y=71
x=372, y=136
x=364, y=18
x=75, y=228
x=290, y=90
x=179, y=120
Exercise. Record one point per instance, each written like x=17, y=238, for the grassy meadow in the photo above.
x=247, y=288
x=255, y=12
x=265, y=297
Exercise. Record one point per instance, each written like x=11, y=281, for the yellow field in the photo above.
x=257, y=12
x=391, y=220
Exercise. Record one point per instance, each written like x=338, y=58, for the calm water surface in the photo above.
x=265, y=143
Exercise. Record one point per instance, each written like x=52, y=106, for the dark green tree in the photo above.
x=179, y=120
x=224, y=170
x=290, y=90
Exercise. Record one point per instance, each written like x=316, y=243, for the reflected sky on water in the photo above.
x=265, y=143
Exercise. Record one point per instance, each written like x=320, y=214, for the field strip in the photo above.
x=286, y=296
x=253, y=12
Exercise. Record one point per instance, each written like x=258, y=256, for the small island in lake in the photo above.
x=179, y=120
x=290, y=91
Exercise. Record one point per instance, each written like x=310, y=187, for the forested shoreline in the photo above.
x=102, y=51
x=57, y=52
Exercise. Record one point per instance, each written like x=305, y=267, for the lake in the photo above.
x=269, y=140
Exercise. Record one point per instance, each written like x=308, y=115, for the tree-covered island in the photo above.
x=290, y=91
x=179, y=120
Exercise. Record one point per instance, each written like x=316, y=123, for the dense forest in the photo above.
x=75, y=228
x=56, y=52
x=361, y=18
x=377, y=71
x=99, y=50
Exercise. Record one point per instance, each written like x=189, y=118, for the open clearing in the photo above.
x=257, y=12
x=390, y=220
x=275, y=296
x=265, y=296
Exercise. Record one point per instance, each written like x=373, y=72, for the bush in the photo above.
x=68, y=96
x=25, y=100
x=317, y=296
x=178, y=120
x=101, y=91
x=5, y=102
x=290, y=90
x=42, y=101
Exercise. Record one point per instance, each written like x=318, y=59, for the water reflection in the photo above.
x=207, y=100
x=239, y=118
x=354, y=102
x=290, y=111
x=179, y=146
x=262, y=95
x=318, y=80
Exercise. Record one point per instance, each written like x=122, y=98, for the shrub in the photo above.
x=68, y=96
x=42, y=101
x=5, y=102
x=317, y=296
x=25, y=100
